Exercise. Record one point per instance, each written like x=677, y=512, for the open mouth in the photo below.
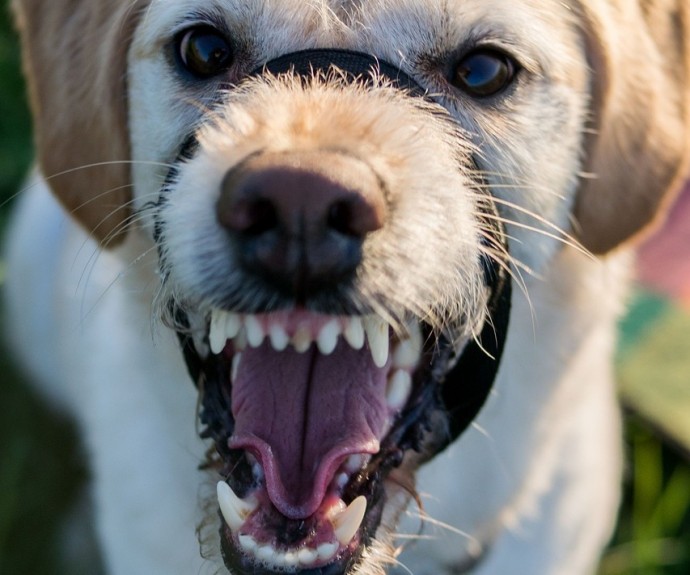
x=318, y=420
x=310, y=414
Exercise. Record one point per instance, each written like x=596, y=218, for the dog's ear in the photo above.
x=75, y=54
x=638, y=152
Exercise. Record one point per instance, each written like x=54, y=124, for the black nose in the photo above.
x=299, y=219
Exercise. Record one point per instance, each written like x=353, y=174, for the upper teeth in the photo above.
x=252, y=330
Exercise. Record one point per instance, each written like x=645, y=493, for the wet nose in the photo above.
x=300, y=219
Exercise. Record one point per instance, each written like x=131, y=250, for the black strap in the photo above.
x=357, y=66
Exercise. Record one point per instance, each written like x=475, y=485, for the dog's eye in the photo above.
x=484, y=73
x=204, y=51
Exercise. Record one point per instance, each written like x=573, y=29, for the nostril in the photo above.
x=355, y=216
x=257, y=216
x=340, y=219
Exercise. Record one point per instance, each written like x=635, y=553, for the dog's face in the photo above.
x=514, y=79
x=326, y=237
x=323, y=239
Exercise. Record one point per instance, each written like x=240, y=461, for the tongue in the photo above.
x=301, y=415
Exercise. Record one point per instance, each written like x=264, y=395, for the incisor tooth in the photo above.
x=278, y=336
x=290, y=559
x=255, y=332
x=302, y=339
x=216, y=335
x=307, y=556
x=240, y=340
x=233, y=323
x=377, y=334
x=326, y=550
x=247, y=542
x=347, y=523
x=266, y=553
x=354, y=332
x=398, y=390
x=233, y=509
x=328, y=337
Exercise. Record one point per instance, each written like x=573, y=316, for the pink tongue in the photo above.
x=303, y=414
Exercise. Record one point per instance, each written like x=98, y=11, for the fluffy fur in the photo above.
x=581, y=156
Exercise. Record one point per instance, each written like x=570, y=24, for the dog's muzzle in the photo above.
x=446, y=395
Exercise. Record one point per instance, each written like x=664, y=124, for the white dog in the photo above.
x=315, y=206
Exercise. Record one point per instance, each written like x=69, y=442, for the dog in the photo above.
x=332, y=286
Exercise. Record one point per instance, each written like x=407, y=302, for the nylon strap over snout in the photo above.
x=466, y=385
x=356, y=67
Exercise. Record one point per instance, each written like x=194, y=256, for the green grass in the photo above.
x=42, y=473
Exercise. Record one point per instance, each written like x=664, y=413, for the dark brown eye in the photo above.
x=203, y=51
x=484, y=73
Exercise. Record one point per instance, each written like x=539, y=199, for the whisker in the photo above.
x=426, y=518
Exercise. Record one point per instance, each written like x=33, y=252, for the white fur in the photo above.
x=535, y=477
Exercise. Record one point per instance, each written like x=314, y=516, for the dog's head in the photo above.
x=326, y=184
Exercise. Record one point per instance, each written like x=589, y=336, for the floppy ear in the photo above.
x=638, y=155
x=75, y=56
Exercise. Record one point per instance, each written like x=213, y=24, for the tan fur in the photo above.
x=634, y=167
x=75, y=61
x=641, y=145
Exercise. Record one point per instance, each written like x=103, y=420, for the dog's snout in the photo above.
x=300, y=219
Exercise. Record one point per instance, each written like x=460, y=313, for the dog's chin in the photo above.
x=317, y=421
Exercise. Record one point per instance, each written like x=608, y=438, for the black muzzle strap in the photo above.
x=357, y=67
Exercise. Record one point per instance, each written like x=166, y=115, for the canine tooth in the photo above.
x=307, y=556
x=248, y=543
x=302, y=339
x=354, y=332
x=328, y=337
x=326, y=551
x=216, y=335
x=278, y=336
x=347, y=523
x=233, y=509
x=398, y=390
x=235, y=365
x=407, y=353
x=255, y=332
x=377, y=334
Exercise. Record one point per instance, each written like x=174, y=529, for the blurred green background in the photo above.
x=42, y=473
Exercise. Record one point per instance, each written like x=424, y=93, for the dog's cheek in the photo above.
x=161, y=116
x=196, y=250
x=532, y=160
